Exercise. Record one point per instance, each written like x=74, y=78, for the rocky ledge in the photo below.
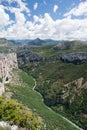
x=76, y=58
x=25, y=56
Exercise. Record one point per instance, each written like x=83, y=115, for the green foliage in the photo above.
x=33, y=100
x=51, y=75
x=0, y=79
x=16, y=113
x=5, y=128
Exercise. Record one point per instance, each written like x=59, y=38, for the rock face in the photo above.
x=8, y=62
x=62, y=46
x=26, y=56
x=76, y=58
x=74, y=87
x=5, y=124
x=68, y=93
x=2, y=89
x=53, y=102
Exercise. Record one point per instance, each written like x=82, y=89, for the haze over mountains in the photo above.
x=36, y=41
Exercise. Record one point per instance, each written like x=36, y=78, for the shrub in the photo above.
x=15, y=113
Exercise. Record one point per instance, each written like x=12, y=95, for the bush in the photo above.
x=15, y=113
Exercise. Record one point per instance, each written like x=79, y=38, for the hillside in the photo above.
x=21, y=88
x=35, y=42
x=6, y=46
x=63, y=85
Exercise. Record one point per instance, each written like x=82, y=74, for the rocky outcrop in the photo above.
x=62, y=46
x=26, y=56
x=53, y=102
x=76, y=58
x=74, y=87
x=5, y=125
x=69, y=91
x=8, y=62
x=72, y=90
x=2, y=89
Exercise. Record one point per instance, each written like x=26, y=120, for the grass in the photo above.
x=48, y=51
x=51, y=77
x=33, y=100
x=45, y=51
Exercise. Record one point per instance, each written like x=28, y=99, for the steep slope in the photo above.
x=76, y=58
x=22, y=89
x=63, y=88
x=52, y=77
x=25, y=55
x=15, y=113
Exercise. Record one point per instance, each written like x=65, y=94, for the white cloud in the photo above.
x=42, y=27
x=45, y=2
x=79, y=10
x=22, y=6
x=35, y=6
x=36, y=18
x=55, y=8
x=46, y=27
x=4, y=18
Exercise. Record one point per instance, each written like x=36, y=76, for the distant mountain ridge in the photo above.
x=36, y=41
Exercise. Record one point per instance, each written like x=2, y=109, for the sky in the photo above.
x=45, y=19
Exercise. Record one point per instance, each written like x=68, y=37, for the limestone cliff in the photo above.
x=76, y=58
x=8, y=62
x=73, y=89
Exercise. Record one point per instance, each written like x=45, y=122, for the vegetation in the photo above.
x=15, y=113
x=4, y=128
x=52, y=74
x=24, y=93
x=48, y=51
x=0, y=79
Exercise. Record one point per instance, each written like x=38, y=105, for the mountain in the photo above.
x=36, y=41
x=18, y=42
